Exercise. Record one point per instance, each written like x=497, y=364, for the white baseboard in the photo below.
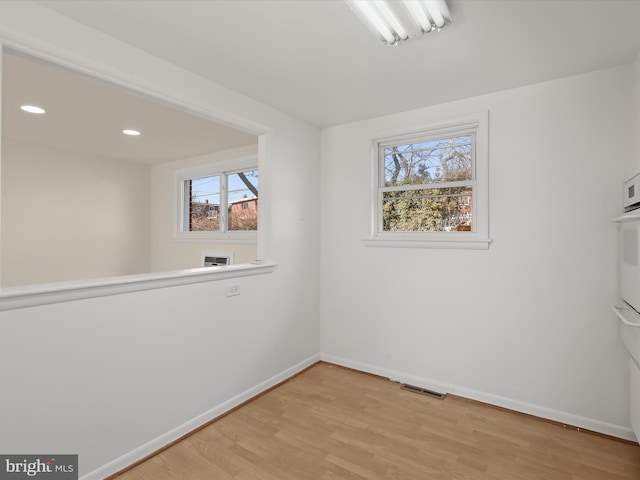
x=157, y=443
x=516, y=405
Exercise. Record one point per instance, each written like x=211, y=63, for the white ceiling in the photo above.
x=87, y=116
x=315, y=60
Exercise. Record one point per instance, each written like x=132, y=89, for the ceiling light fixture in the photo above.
x=132, y=133
x=393, y=22
x=33, y=109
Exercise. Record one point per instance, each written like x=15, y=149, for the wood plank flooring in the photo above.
x=332, y=423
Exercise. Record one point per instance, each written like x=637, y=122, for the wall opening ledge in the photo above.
x=34, y=295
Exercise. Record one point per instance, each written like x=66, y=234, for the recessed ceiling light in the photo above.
x=133, y=133
x=33, y=109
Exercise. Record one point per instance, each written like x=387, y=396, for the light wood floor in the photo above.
x=332, y=423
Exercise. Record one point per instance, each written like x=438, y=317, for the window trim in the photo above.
x=181, y=211
x=478, y=123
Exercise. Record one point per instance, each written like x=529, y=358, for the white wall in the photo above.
x=635, y=159
x=526, y=324
x=102, y=377
x=68, y=216
x=169, y=254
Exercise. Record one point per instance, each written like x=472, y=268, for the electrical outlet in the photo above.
x=231, y=290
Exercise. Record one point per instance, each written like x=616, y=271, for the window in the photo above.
x=218, y=201
x=430, y=187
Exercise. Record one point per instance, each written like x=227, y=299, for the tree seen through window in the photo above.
x=428, y=185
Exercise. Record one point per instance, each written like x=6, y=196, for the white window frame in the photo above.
x=181, y=212
x=478, y=125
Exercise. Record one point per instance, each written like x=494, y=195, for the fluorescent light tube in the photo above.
x=391, y=18
x=419, y=15
x=372, y=16
x=434, y=7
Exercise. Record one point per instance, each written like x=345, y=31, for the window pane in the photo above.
x=243, y=200
x=431, y=210
x=204, y=206
x=443, y=160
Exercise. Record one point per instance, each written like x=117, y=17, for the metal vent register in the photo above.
x=210, y=261
x=423, y=391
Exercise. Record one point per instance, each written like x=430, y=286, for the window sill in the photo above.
x=218, y=237
x=31, y=296
x=413, y=242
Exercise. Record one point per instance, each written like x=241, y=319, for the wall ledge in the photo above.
x=23, y=297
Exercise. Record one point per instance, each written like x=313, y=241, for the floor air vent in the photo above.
x=423, y=391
